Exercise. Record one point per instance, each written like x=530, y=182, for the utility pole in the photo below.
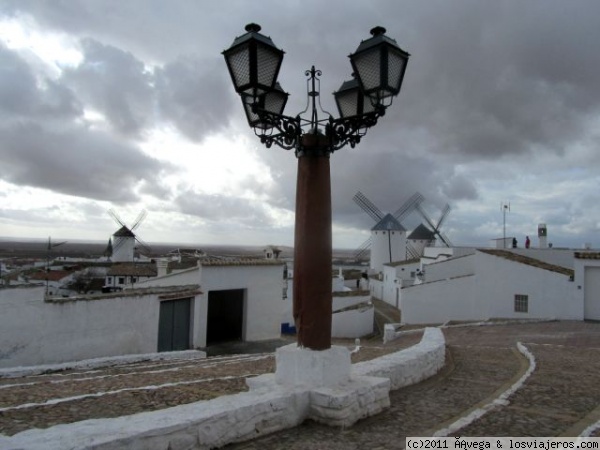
x=504, y=207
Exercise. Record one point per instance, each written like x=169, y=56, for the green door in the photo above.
x=174, y=325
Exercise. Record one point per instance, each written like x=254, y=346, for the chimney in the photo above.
x=543, y=235
x=161, y=267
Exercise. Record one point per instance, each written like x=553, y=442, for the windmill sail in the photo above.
x=368, y=206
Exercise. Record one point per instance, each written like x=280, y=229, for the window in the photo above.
x=521, y=303
x=121, y=280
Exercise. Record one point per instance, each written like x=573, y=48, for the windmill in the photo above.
x=388, y=236
x=435, y=227
x=124, y=239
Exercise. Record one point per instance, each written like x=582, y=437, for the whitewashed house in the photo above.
x=395, y=276
x=490, y=284
x=240, y=299
x=120, y=275
x=209, y=302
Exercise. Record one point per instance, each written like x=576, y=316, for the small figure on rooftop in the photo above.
x=527, y=242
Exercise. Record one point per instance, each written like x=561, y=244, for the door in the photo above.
x=174, y=325
x=591, y=293
x=225, y=316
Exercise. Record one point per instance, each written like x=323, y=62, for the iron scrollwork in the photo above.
x=330, y=134
x=284, y=131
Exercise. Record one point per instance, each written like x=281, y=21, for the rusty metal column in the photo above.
x=312, y=248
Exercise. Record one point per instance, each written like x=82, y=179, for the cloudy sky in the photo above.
x=127, y=104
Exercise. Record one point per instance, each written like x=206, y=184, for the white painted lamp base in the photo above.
x=334, y=396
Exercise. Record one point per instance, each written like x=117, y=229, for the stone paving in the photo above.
x=45, y=400
x=561, y=397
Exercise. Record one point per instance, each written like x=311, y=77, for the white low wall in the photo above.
x=409, y=366
x=235, y=418
x=36, y=332
x=353, y=323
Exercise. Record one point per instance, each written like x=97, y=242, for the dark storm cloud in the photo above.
x=114, y=83
x=502, y=79
x=74, y=161
x=24, y=94
x=194, y=95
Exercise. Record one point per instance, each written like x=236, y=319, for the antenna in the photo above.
x=504, y=207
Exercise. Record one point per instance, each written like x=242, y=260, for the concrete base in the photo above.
x=335, y=398
x=297, y=366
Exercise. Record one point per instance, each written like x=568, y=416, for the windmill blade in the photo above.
x=362, y=249
x=368, y=206
x=144, y=246
x=116, y=217
x=443, y=216
x=118, y=245
x=56, y=244
x=419, y=208
x=140, y=218
x=408, y=206
x=411, y=252
x=444, y=239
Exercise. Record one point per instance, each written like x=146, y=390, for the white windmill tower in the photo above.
x=124, y=240
x=388, y=236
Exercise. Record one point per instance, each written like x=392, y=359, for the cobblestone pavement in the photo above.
x=45, y=400
x=561, y=397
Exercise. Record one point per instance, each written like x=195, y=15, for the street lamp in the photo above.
x=379, y=65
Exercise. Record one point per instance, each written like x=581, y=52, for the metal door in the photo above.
x=174, y=325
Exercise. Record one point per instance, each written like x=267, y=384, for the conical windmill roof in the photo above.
x=388, y=223
x=124, y=232
x=422, y=233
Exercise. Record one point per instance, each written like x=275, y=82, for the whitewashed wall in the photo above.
x=559, y=257
x=490, y=294
x=550, y=293
x=440, y=301
x=354, y=323
x=37, y=332
x=264, y=304
x=394, y=277
x=453, y=267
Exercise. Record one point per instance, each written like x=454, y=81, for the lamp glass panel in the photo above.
x=268, y=62
x=254, y=119
x=274, y=101
x=239, y=63
x=367, y=66
x=346, y=103
x=396, y=67
x=350, y=104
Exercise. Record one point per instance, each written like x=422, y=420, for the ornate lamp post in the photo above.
x=254, y=62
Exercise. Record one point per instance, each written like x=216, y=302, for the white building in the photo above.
x=240, y=299
x=490, y=284
x=218, y=300
x=125, y=274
